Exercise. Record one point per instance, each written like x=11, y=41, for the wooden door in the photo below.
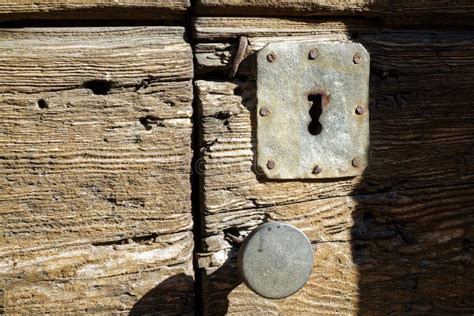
x=95, y=143
x=110, y=204
x=398, y=239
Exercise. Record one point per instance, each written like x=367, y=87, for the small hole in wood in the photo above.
x=315, y=101
x=98, y=86
x=42, y=104
x=146, y=122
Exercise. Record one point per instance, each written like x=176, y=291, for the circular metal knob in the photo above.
x=275, y=260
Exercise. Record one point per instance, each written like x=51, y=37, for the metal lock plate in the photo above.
x=275, y=260
x=312, y=113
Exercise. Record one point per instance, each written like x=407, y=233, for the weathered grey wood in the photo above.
x=95, y=155
x=87, y=9
x=298, y=7
x=92, y=54
x=391, y=241
x=400, y=12
x=225, y=28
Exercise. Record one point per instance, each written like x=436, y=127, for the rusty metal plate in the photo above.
x=312, y=113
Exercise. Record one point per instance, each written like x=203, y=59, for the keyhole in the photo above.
x=315, y=101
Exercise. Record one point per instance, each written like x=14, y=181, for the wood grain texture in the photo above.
x=289, y=7
x=95, y=155
x=93, y=54
x=88, y=9
x=332, y=291
x=400, y=12
x=391, y=241
x=226, y=28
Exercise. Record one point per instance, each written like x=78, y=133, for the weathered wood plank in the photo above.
x=392, y=240
x=401, y=12
x=298, y=7
x=401, y=87
x=228, y=28
x=409, y=243
x=444, y=146
x=140, y=275
x=87, y=9
x=90, y=54
x=95, y=155
x=331, y=291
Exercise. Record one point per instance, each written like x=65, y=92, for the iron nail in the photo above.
x=313, y=54
x=317, y=170
x=264, y=111
x=356, y=162
x=270, y=164
x=357, y=59
x=359, y=110
x=235, y=239
x=271, y=57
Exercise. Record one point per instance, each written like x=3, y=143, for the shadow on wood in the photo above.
x=173, y=296
x=221, y=283
x=413, y=230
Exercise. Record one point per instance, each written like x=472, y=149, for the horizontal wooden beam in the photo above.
x=404, y=12
x=86, y=9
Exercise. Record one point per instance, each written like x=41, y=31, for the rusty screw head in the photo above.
x=357, y=59
x=317, y=169
x=271, y=57
x=264, y=111
x=313, y=54
x=360, y=110
x=356, y=162
x=270, y=164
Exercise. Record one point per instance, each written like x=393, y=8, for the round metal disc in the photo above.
x=275, y=260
